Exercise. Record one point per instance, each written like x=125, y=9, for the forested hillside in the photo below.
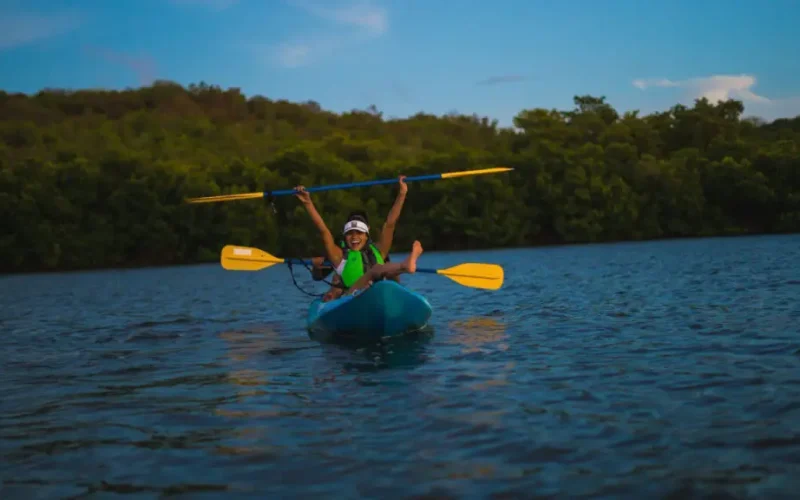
x=98, y=178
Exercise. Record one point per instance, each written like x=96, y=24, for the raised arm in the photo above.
x=387, y=233
x=333, y=252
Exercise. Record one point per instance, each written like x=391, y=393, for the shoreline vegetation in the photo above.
x=94, y=179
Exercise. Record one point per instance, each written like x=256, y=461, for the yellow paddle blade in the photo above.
x=463, y=173
x=225, y=197
x=237, y=258
x=486, y=276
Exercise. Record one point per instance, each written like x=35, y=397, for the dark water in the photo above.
x=651, y=370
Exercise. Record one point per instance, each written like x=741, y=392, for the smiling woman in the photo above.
x=357, y=254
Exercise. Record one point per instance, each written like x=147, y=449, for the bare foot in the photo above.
x=411, y=262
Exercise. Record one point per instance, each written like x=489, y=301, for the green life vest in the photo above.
x=357, y=263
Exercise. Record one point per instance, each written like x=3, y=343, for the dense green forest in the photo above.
x=98, y=178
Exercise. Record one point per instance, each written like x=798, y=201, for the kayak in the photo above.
x=385, y=309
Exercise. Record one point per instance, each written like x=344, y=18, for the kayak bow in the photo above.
x=385, y=309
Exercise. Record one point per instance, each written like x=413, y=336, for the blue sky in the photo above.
x=492, y=58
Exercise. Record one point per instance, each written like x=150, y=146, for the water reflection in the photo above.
x=478, y=336
x=246, y=356
x=255, y=388
x=404, y=351
x=242, y=347
x=477, y=331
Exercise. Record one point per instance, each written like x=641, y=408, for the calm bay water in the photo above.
x=639, y=370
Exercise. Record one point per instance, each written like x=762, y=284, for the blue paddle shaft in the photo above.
x=328, y=264
x=283, y=192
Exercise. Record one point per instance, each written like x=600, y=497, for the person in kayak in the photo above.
x=357, y=253
x=320, y=269
x=378, y=272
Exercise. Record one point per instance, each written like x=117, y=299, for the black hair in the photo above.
x=355, y=215
x=358, y=215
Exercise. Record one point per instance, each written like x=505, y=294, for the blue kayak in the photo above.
x=385, y=309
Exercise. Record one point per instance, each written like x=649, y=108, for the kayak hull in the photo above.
x=385, y=309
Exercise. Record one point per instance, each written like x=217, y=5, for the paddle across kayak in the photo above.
x=385, y=309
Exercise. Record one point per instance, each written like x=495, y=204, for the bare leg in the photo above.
x=390, y=270
x=396, y=277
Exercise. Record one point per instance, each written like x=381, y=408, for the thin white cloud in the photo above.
x=361, y=15
x=654, y=82
x=360, y=20
x=500, y=79
x=717, y=88
x=714, y=88
x=293, y=55
x=777, y=108
x=143, y=66
x=298, y=51
x=17, y=29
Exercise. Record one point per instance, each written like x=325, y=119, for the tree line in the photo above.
x=95, y=178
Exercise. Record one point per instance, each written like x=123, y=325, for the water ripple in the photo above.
x=652, y=370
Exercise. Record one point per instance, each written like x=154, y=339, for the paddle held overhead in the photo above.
x=285, y=192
